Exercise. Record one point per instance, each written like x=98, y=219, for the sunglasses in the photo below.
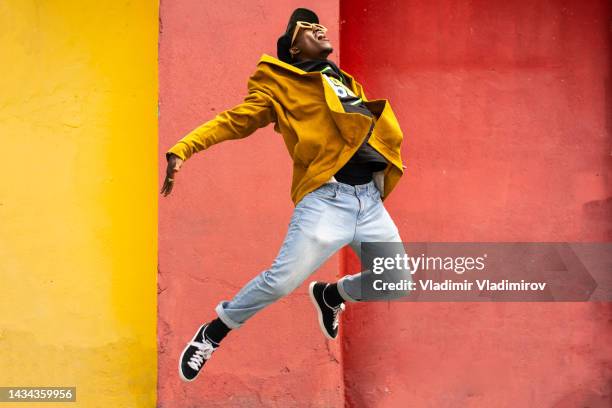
x=305, y=25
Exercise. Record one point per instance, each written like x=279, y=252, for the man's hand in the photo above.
x=174, y=164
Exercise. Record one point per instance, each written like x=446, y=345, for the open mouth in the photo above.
x=320, y=36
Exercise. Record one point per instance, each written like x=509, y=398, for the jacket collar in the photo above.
x=353, y=126
x=266, y=58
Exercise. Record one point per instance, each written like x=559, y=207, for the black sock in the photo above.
x=332, y=296
x=216, y=330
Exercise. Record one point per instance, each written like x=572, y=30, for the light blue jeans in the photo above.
x=324, y=221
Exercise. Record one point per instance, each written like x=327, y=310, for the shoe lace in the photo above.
x=337, y=310
x=205, y=350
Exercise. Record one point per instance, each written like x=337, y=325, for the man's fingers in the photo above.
x=167, y=187
x=173, y=167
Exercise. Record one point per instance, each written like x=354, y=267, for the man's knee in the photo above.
x=278, y=286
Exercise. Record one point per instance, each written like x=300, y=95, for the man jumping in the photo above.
x=346, y=161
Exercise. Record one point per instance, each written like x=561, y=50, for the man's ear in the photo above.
x=294, y=51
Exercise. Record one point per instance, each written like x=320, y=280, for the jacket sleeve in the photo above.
x=256, y=111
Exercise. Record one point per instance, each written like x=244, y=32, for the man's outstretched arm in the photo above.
x=236, y=123
x=256, y=111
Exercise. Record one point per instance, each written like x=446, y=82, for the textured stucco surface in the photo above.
x=505, y=108
x=78, y=200
x=506, y=112
x=227, y=216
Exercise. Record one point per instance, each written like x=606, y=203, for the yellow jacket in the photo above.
x=319, y=135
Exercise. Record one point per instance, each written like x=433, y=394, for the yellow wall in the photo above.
x=78, y=198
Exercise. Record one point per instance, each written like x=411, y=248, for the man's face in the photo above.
x=312, y=43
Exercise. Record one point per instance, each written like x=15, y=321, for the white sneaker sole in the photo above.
x=181, y=358
x=319, y=312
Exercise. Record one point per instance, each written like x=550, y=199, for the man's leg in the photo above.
x=376, y=225
x=322, y=223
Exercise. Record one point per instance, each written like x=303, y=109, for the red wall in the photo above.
x=506, y=112
x=505, y=107
x=227, y=216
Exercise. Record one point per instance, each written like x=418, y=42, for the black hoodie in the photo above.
x=366, y=160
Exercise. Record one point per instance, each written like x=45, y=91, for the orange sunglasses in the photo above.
x=306, y=25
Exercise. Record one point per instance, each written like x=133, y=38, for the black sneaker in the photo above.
x=328, y=315
x=195, y=355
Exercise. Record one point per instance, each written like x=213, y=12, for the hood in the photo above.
x=268, y=59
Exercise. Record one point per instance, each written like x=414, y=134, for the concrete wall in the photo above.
x=506, y=112
x=78, y=199
x=227, y=216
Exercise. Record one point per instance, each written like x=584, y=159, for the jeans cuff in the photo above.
x=225, y=318
x=342, y=292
